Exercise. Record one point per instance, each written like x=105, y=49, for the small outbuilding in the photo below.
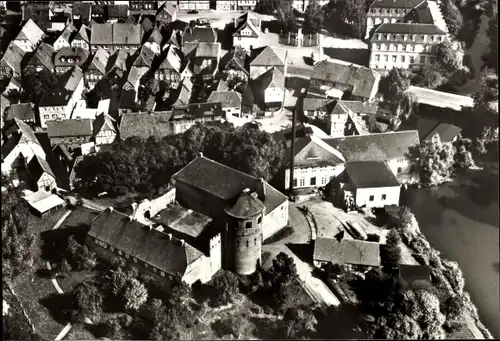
x=346, y=251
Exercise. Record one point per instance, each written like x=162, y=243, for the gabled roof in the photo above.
x=71, y=79
x=171, y=60
x=447, y=132
x=37, y=166
x=235, y=59
x=30, y=32
x=67, y=56
x=126, y=34
x=13, y=57
x=118, y=61
x=409, y=28
x=144, y=243
x=396, y=3
x=225, y=182
x=247, y=21
x=356, y=107
x=364, y=81
x=184, y=92
x=228, y=99
x=245, y=206
x=69, y=127
x=375, y=147
x=348, y=251
x=100, y=60
x=208, y=50
x=23, y=132
x=21, y=111
x=371, y=174
x=82, y=34
x=43, y=57
x=101, y=121
x=168, y=8
x=272, y=78
x=420, y=14
x=134, y=75
x=312, y=151
x=156, y=36
x=200, y=34
x=146, y=124
x=66, y=33
x=145, y=57
x=269, y=56
x=173, y=39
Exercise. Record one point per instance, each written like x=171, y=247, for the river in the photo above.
x=460, y=219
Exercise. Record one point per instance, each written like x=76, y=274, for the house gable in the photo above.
x=316, y=154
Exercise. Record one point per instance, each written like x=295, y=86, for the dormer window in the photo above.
x=413, y=37
x=379, y=37
x=405, y=37
x=388, y=37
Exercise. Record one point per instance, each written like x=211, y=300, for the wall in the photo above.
x=323, y=175
x=337, y=123
x=198, y=270
x=245, y=42
x=275, y=221
x=106, y=136
x=199, y=201
x=156, y=205
x=52, y=113
x=402, y=163
x=362, y=196
x=273, y=95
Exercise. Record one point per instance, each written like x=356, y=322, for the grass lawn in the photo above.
x=79, y=332
x=31, y=295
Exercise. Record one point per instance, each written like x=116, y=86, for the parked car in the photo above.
x=193, y=11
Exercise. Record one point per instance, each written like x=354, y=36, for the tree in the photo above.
x=313, y=17
x=463, y=156
x=392, y=249
x=354, y=12
x=135, y=295
x=435, y=160
x=65, y=266
x=120, y=279
x=299, y=322
x=428, y=76
x=286, y=17
x=449, y=58
x=88, y=301
x=398, y=326
x=452, y=16
x=224, y=287
x=394, y=85
x=283, y=270
x=36, y=83
x=492, y=31
x=113, y=328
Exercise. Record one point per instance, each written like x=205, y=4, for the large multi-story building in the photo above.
x=301, y=5
x=190, y=5
x=405, y=45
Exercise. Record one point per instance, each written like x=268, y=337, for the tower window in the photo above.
x=247, y=243
x=255, y=241
x=371, y=198
x=259, y=220
x=248, y=225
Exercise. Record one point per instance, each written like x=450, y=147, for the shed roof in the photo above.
x=348, y=251
x=371, y=175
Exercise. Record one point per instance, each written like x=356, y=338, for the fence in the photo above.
x=304, y=40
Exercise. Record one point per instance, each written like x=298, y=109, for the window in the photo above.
x=403, y=58
x=374, y=46
x=384, y=196
x=386, y=58
x=323, y=180
x=127, y=256
x=54, y=115
x=302, y=182
x=170, y=277
x=247, y=243
x=382, y=47
x=400, y=170
x=259, y=220
x=313, y=181
x=371, y=198
x=134, y=259
x=119, y=252
x=112, y=249
x=405, y=37
x=255, y=241
x=394, y=58
x=294, y=182
x=248, y=225
x=162, y=274
x=238, y=243
x=432, y=60
x=46, y=116
x=413, y=37
x=154, y=270
x=422, y=59
x=412, y=59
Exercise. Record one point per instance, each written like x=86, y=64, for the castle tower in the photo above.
x=243, y=233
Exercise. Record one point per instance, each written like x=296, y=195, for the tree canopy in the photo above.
x=452, y=16
x=144, y=165
x=354, y=13
x=314, y=17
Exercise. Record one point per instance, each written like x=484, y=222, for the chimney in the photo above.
x=182, y=242
x=200, y=154
x=134, y=206
x=262, y=192
x=246, y=190
x=160, y=228
x=170, y=236
x=150, y=227
x=292, y=151
x=110, y=208
x=130, y=218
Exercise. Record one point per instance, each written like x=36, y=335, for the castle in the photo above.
x=242, y=212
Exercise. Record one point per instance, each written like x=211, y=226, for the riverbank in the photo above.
x=460, y=219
